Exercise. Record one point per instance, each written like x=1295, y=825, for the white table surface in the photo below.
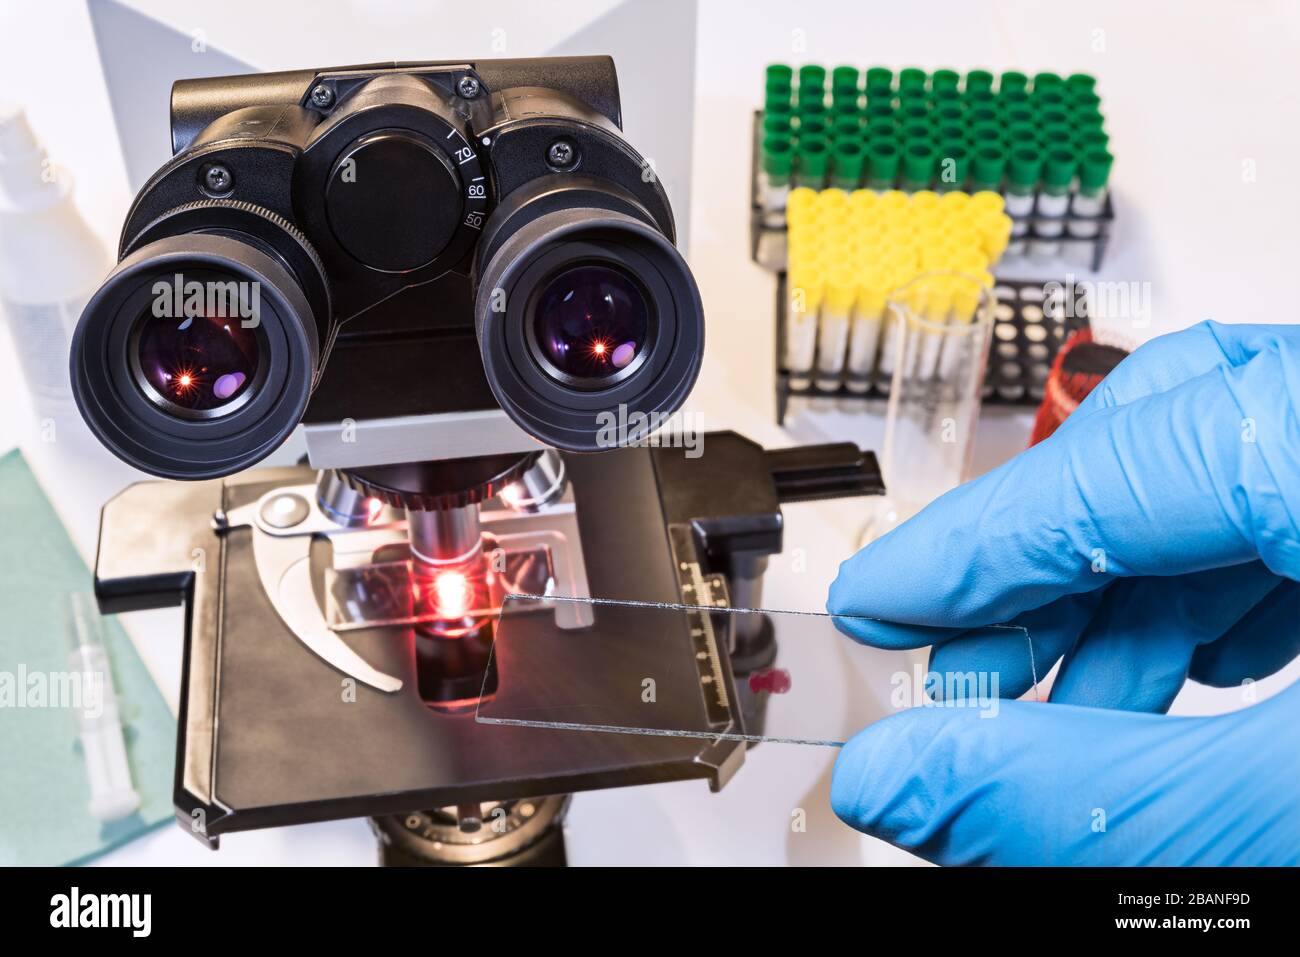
x=1195, y=93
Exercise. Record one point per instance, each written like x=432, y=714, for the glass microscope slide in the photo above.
x=661, y=669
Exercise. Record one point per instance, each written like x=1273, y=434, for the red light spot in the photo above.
x=453, y=594
x=184, y=381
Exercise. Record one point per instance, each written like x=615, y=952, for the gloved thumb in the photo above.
x=1024, y=783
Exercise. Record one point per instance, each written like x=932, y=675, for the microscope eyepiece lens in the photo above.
x=196, y=365
x=195, y=357
x=590, y=322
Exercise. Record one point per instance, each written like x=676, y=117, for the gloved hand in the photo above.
x=1154, y=537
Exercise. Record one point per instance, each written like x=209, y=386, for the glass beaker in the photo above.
x=937, y=333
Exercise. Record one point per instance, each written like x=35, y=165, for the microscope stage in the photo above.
x=271, y=735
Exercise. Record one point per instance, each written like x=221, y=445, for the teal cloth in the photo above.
x=44, y=793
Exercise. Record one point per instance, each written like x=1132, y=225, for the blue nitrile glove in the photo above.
x=1154, y=537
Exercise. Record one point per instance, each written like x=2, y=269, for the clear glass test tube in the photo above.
x=937, y=376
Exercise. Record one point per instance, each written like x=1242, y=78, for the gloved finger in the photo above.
x=886, y=634
x=1170, y=360
x=1060, y=784
x=1214, y=459
x=1135, y=653
x=1262, y=642
x=1018, y=658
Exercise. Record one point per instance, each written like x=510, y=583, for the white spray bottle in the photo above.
x=50, y=262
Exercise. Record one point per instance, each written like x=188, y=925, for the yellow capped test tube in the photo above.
x=804, y=293
x=864, y=338
x=931, y=320
x=966, y=301
x=833, y=327
x=995, y=234
x=801, y=204
x=986, y=201
x=895, y=334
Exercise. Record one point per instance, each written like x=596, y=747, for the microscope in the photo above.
x=462, y=282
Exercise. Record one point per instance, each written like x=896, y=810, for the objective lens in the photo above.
x=591, y=322
x=197, y=364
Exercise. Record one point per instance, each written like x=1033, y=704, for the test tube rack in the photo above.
x=767, y=227
x=1031, y=321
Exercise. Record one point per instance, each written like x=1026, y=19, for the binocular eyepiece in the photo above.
x=290, y=220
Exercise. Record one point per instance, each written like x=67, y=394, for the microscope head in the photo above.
x=417, y=262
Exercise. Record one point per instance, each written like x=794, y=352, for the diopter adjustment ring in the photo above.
x=267, y=227
x=430, y=486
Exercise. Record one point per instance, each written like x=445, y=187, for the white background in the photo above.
x=1201, y=101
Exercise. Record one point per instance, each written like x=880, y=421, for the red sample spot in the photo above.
x=771, y=680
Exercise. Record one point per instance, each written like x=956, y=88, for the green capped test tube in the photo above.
x=1018, y=113
x=987, y=166
x=777, y=128
x=919, y=160
x=987, y=133
x=848, y=157
x=911, y=78
x=1059, y=166
x=1087, y=119
x=1024, y=168
x=914, y=109
x=948, y=112
x=1090, y=139
x=811, y=100
x=979, y=82
x=813, y=125
x=1081, y=83
x=880, y=108
x=954, y=166
x=812, y=76
x=952, y=133
x=915, y=130
x=844, y=78
x=883, y=157
x=846, y=124
x=779, y=73
x=1052, y=97
x=1089, y=201
x=1083, y=102
x=944, y=81
x=1013, y=81
x=812, y=161
x=1054, y=116
x=1022, y=134
x=845, y=102
x=880, y=82
x=779, y=86
x=983, y=113
x=878, y=126
x=1013, y=98
x=1047, y=80
x=778, y=165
